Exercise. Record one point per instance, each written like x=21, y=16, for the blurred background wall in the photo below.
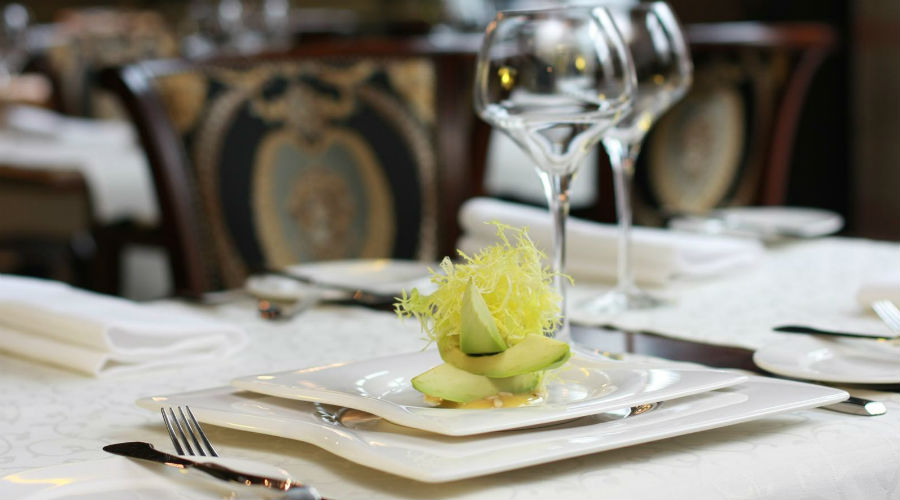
x=847, y=152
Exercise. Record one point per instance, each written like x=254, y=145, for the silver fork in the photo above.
x=187, y=425
x=888, y=312
x=183, y=428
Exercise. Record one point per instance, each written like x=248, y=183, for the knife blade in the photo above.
x=816, y=331
x=146, y=451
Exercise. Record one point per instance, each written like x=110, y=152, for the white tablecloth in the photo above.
x=812, y=282
x=50, y=416
x=117, y=175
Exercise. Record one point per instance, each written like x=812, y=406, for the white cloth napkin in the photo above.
x=658, y=254
x=101, y=335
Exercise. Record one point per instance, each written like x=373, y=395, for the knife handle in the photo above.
x=815, y=331
x=859, y=406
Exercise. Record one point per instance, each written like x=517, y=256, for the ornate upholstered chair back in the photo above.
x=304, y=160
x=729, y=141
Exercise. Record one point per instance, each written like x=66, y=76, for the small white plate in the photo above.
x=850, y=361
x=119, y=477
x=379, y=276
x=432, y=457
x=768, y=223
x=583, y=387
x=280, y=288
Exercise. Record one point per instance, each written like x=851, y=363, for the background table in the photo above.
x=50, y=416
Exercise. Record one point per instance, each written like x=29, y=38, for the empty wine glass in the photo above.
x=554, y=81
x=664, y=70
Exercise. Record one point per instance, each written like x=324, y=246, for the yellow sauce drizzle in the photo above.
x=502, y=400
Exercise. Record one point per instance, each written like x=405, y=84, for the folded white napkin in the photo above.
x=100, y=335
x=45, y=124
x=658, y=254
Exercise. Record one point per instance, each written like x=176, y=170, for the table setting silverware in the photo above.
x=186, y=430
x=886, y=311
x=810, y=330
x=889, y=314
x=859, y=406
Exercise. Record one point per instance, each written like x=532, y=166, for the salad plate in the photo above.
x=767, y=223
x=842, y=360
x=429, y=457
x=378, y=276
x=281, y=288
x=582, y=387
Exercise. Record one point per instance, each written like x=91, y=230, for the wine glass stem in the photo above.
x=557, y=188
x=622, y=159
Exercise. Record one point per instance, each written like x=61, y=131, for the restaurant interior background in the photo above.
x=843, y=154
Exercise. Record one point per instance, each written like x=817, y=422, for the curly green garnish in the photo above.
x=511, y=277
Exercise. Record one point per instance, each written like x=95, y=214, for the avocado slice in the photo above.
x=449, y=382
x=532, y=354
x=478, y=332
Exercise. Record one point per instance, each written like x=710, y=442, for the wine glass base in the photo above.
x=617, y=301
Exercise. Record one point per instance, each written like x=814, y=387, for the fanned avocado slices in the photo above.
x=452, y=384
x=534, y=353
x=478, y=332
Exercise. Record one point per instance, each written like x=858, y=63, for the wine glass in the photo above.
x=554, y=80
x=664, y=70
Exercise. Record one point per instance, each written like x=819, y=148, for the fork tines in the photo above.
x=888, y=312
x=180, y=428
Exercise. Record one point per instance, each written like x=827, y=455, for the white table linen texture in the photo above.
x=50, y=417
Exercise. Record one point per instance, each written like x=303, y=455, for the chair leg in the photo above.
x=107, y=263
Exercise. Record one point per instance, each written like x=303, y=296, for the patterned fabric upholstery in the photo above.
x=300, y=161
x=700, y=154
x=729, y=141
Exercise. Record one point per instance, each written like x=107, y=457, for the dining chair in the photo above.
x=335, y=150
x=729, y=142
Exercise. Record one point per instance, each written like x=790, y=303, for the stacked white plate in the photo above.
x=367, y=412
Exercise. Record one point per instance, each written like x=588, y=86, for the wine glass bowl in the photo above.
x=664, y=71
x=554, y=80
x=551, y=80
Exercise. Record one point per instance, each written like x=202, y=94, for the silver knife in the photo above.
x=146, y=451
x=816, y=331
x=859, y=406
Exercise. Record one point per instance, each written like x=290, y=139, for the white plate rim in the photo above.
x=468, y=422
x=781, y=223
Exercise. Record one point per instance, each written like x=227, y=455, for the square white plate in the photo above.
x=429, y=457
x=582, y=387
